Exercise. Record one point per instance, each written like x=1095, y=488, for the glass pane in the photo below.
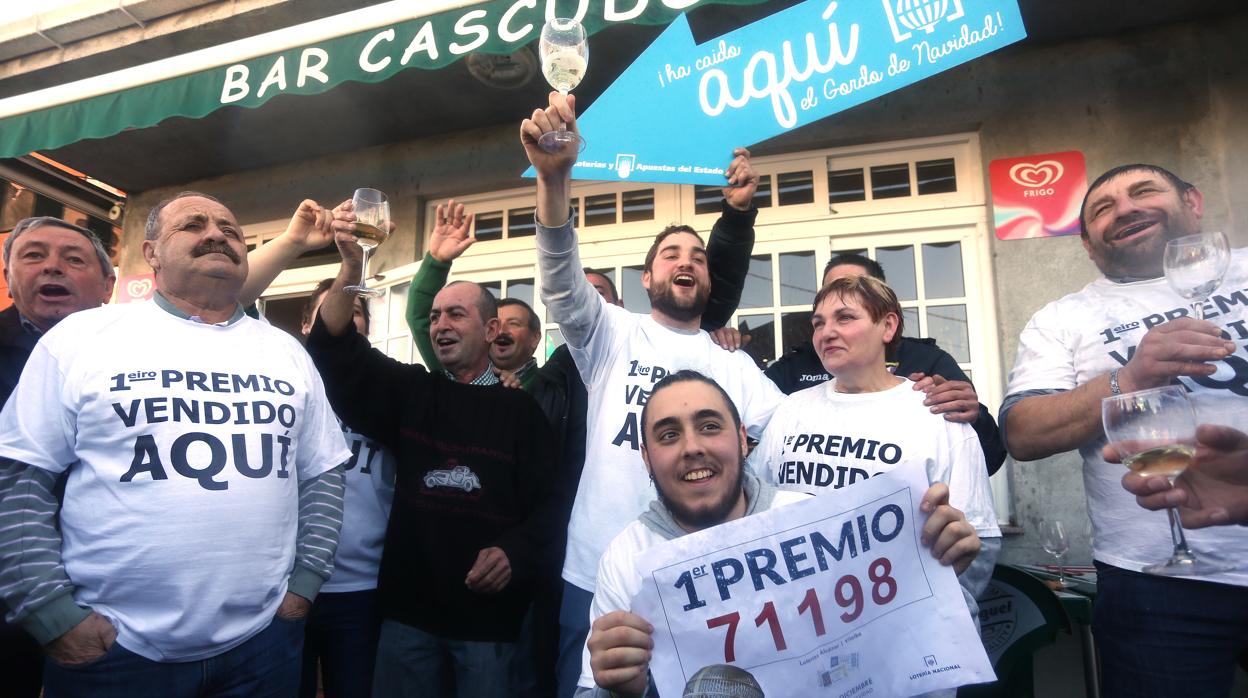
x=759, y=335
x=967, y=371
x=489, y=226
x=898, y=263
x=554, y=340
x=846, y=185
x=910, y=328
x=796, y=330
x=762, y=196
x=706, y=198
x=397, y=310
x=494, y=287
x=757, y=291
x=600, y=210
x=796, y=188
x=576, y=212
x=400, y=349
x=521, y=289
x=520, y=222
x=942, y=270
x=947, y=325
x=890, y=181
x=635, y=298
x=638, y=205
x=798, y=280
x=377, y=309
x=936, y=176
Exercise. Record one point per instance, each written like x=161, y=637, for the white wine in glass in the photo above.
x=372, y=227
x=564, y=50
x=1195, y=266
x=1154, y=432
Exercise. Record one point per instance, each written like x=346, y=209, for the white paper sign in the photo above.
x=832, y=596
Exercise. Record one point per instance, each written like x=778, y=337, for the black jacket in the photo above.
x=15, y=347
x=801, y=368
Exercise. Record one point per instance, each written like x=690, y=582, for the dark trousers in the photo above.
x=23, y=661
x=1167, y=636
x=266, y=666
x=341, y=635
x=573, y=630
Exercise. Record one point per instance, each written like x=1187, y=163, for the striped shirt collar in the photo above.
x=487, y=376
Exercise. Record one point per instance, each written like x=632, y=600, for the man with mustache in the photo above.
x=53, y=268
x=202, y=482
x=1127, y=331
x=622, y=355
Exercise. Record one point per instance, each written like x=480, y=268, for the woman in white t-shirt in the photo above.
x=866, y=420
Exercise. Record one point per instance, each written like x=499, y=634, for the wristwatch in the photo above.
x=1114, y=388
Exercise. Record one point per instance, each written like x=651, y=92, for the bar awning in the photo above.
x=368, y=45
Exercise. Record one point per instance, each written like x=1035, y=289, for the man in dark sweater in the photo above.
x=949, y=389
x=473, y=463
x=53, y=268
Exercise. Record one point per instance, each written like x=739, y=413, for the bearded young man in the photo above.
x=621, y=355
x=1128, y=331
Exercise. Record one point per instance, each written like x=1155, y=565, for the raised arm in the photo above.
x=731, y=243
x=309, y=229
x=450, y=238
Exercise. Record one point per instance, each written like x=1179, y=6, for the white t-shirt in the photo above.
x=185, y=443
x=1089, y=333
x=626, y=355
x=820, y=440
x=618, y=578
x=365, y=513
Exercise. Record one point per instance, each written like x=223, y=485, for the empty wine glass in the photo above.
x=1154, y=432
x=1053, y=538
x=372, y=227
x=1195, y=265
x=564, y=51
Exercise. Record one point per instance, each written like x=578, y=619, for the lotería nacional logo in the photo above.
x=908, y=16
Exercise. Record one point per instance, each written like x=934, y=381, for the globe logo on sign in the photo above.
x=907, y=16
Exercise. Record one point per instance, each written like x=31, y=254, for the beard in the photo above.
x=663, y=299
x=1139, y=258
x=712, y=515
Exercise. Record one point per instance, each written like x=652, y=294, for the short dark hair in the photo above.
x=663, y=235
x=859, y=260
x=27, y=224
x=687, y=375
x=535, y=325
x=486, y=303
x=615, y=294
x=151, y=230
x=1175, y=181
x=320, y=290
x=873, y=295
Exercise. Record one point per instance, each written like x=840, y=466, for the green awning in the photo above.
x=499, y=27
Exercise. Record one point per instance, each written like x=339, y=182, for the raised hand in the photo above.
x=311, y=228
x=561, y=110
x=742, y=181
x=451, y=234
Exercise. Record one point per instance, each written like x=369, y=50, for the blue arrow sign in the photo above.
x=677, y=112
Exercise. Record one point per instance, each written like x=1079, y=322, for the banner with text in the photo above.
x=678, y=111
x=832, y=596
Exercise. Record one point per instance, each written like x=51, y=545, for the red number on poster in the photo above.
x=730, y=620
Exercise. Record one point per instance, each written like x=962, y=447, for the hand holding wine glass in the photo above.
x=1195, y=266
x=564, y=51
x=372, y=227
x=1154, y=432
x=1053, y=539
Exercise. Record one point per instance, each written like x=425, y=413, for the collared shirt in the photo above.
x=166, y=305
x=487, y=377
x=30, y=327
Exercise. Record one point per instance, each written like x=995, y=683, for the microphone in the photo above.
x=722, y=681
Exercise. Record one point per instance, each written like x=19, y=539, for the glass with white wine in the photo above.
x=372, y=227
x=1195, y=266
x=1154, y=432
x=564, y=50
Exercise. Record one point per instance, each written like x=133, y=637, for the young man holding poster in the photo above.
x=693, y=445
x=621, y=355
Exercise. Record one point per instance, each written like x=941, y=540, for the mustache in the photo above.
x=212, y=246
x=504, y=340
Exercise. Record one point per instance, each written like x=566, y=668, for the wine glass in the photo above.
x=1053, y=538
x=564, y=50
x=372, y=227
x=1154, y=432
x=1195, y=265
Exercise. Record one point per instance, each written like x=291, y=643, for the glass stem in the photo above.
x=1198, y=310
x=1181, y=551
x=368, y=252
x=1061, y=571
x=563, y=127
